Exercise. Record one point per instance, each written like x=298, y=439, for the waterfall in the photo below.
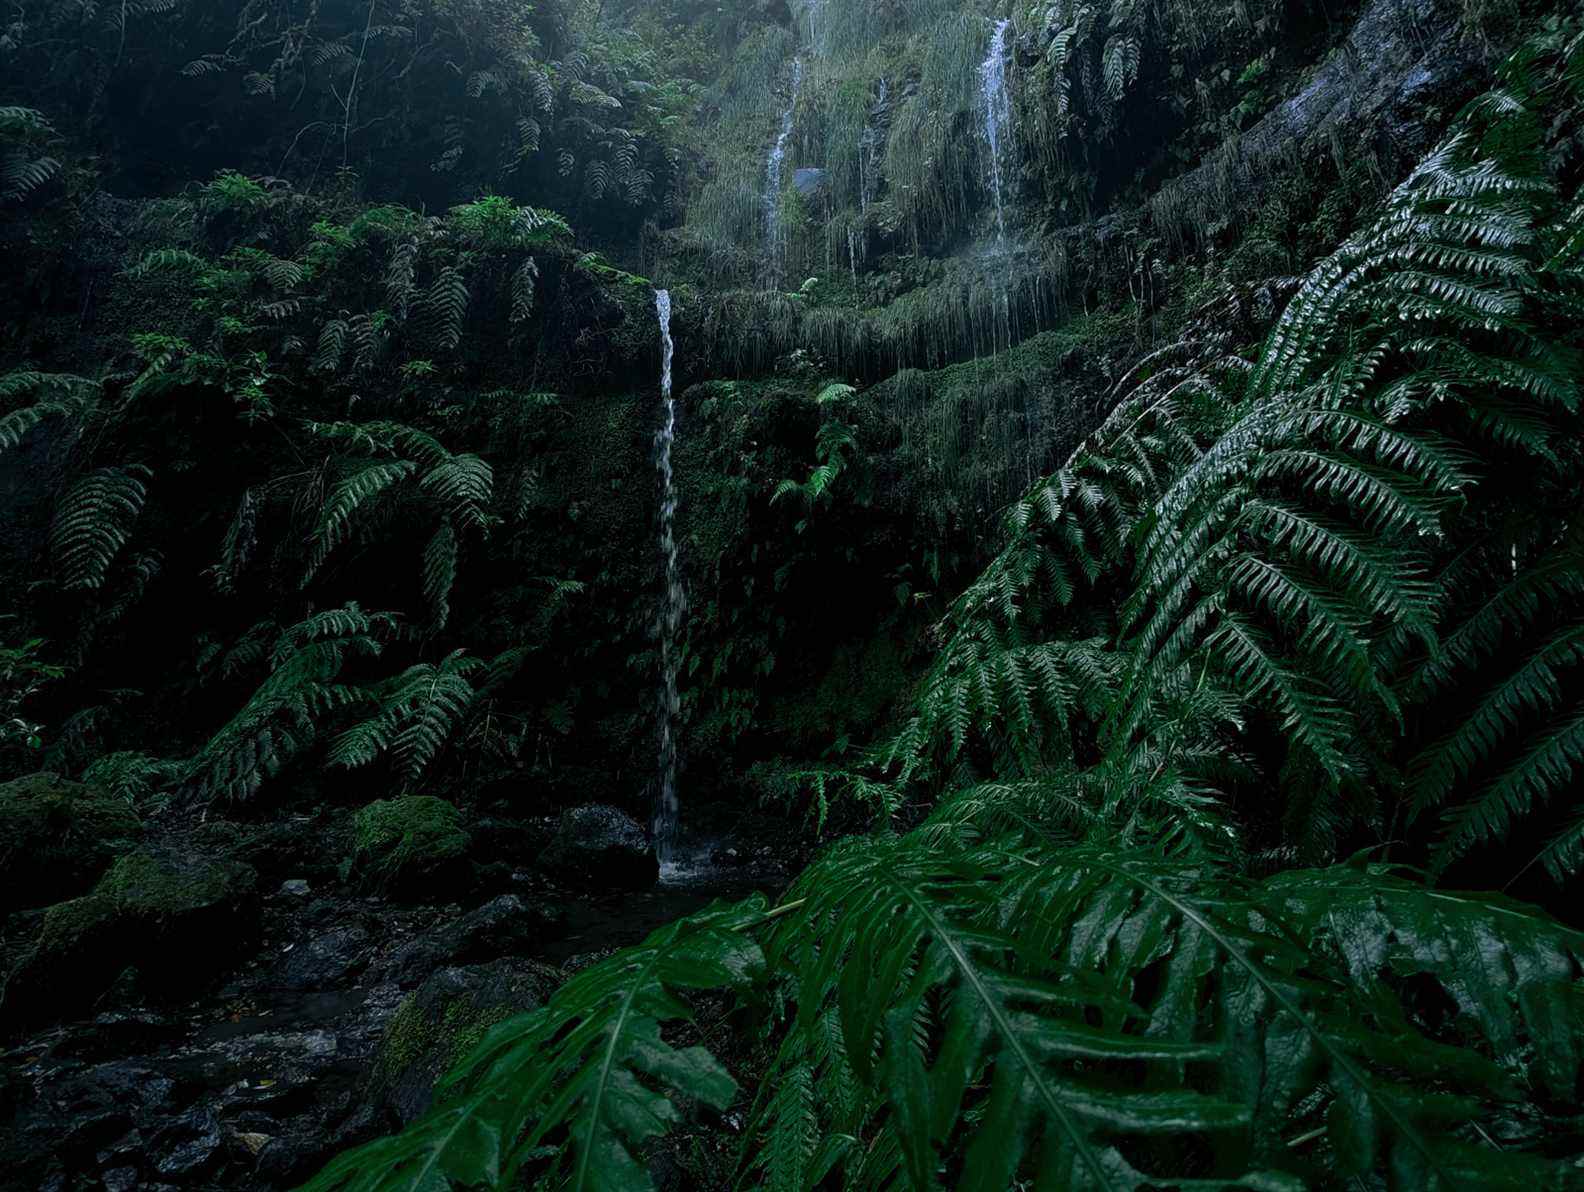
x=772, y=199
x=871, y=146
x=674, y=603
x=815, y=12
x=997, y=113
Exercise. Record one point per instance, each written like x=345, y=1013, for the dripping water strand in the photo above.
x=772, y=199
x=997, y=114
x=673, y=604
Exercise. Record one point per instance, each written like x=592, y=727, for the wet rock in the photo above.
x=187, y=1145
x=601, y=847
x=57, y=838
x=296, y=888
x=501, y=927
x=115, y=1034
x=413, y=848
x=81, y=1115
x=442, y=1021
x=176, y=918
x=287, y=1162
x=810, y=180
x=327, y=961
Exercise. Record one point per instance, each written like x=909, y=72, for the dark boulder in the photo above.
x=328, y=961
x=504, y=926
x=601, y=847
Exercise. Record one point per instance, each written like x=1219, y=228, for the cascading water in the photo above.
x=772, y=199
x=815, y=12
x=997, y=113
x=674, y=604
x=871, y=147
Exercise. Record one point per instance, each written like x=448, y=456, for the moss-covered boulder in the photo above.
x=445, y=1019
x=56, y=838
x=412, y=847
x=173, y=919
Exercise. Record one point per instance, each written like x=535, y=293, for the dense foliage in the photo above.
x=1276, y=607
x=1149, y=542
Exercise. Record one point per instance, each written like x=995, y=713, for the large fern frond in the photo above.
x=283, y=717
x=53, y=395
x=571, y=1092
x=93, y=522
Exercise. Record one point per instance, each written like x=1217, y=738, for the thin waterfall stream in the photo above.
x=667, y=815
x=772, y=198
x=997, y=114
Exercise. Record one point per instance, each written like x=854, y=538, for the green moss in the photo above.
x=68, y=924
x=445, y=1019
x=397, y=842
x=144, y=889
x=417, y=1037
x=141, y=884
x=172, y=918
x=57, y=837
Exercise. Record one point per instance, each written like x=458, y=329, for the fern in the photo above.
x=525, y=279
x=1120, y=64
x=332, y=344
x=419, y=711
x=22, y=168
x=169, y=260
x=346, y=499
x=439, y=575
x=93, y=522
x=833, y=444
x=399, y=277
x=445, y=308
x=971, y=1012
x=282, y=719
x=135, y=777
x=1296, y=553
x=457, y=490
x=54, y=395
